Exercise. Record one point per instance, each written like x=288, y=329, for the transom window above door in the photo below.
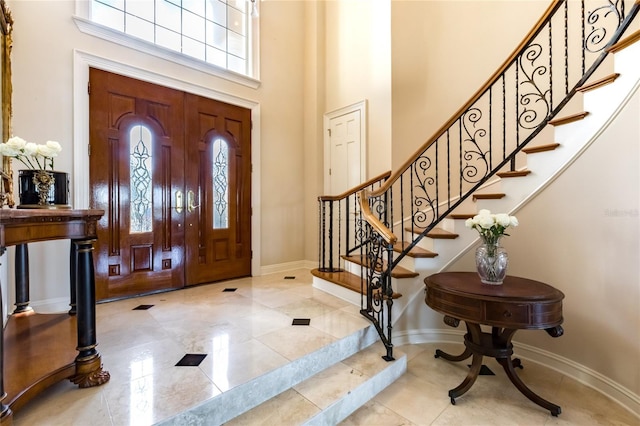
x=215, y=36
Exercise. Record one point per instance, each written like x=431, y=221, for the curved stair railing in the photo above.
x=341, y=225
x=482, y=139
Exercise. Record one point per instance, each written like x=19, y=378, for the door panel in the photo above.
x=136, y=164
x=218, y=231
x=345, y=152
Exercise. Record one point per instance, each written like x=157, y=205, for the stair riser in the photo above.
x=356, y=398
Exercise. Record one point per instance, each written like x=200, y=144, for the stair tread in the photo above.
x=625, y=42
x=416, y=252
x=436, y=233
x=342, y=278
x=513, y=173
x=489, y=196
x=568, y=119
x=598, y=83
x=440, y=233
x=398, y=271
x=345, y=279
x=461, y=215
x=540, y=148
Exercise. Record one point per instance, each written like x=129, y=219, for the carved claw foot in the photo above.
x=89, y=373
x=94, y=378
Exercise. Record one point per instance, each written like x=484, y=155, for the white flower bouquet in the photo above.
x=34, y=156
x=491, y=227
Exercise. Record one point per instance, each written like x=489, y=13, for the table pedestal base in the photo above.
x=496, y=344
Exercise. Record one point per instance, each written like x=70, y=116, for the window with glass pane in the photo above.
x=214, y=31
x=140, y=160
x=220, y=173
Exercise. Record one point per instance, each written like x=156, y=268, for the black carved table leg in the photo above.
x=22, y=279
x=88, y=362
x=73, y=258
x=6, y=415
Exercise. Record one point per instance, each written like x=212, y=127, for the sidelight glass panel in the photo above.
x=220, y=175
x=140, y=161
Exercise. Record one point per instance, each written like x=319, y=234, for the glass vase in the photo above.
x=491, y=262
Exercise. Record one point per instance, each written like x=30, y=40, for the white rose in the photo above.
x=484, y=212
x=486, y=221
x=30, y=148
x=513, y=221
x=54, y=146
x=16, y=143
x=469, y=223
x=8, y=151
x=47, y=151
x=503, y=219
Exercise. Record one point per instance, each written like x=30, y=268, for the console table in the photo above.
x=38, y=350
x=518, y=303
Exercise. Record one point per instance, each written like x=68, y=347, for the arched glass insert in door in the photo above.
x=220, y=179
x=140, y=161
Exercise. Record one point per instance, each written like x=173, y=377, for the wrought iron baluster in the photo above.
x=331, y=235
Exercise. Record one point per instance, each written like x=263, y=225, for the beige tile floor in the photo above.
x=249, y=332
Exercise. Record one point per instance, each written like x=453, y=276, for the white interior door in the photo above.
x=345, y=148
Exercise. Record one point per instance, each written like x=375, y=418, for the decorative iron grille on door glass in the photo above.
x=214, y=31
x=220, y=184
x=140, y=170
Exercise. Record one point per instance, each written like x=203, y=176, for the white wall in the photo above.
x=314, y=108
x=443, y=52
x=358, y=67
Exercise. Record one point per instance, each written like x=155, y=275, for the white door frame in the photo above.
x=360, y=107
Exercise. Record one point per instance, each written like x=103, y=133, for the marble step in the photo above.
x=330, y=396
x=245, y=397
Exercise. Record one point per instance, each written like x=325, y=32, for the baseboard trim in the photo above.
x=572, y=369
x=50, y=306
x=288, y=266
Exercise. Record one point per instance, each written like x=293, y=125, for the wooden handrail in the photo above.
x=534, y=31
x=378, y=226
x=356, y=189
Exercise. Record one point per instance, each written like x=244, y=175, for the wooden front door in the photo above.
x=154, y=176
x=218, y=183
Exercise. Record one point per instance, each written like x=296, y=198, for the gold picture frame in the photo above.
x=6, y=174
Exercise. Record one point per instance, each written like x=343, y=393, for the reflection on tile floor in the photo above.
x=248, y=332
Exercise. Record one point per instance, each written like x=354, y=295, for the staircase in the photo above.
x=410, y=223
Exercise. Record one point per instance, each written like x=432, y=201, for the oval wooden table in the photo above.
x=518, y=303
